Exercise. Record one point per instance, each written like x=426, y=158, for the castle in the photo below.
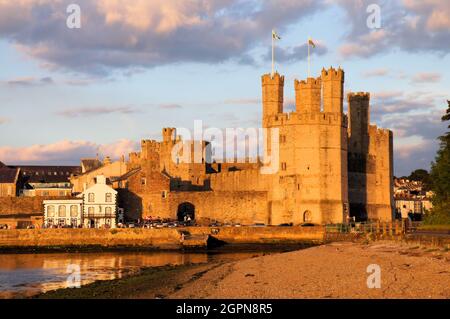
x=332, y=166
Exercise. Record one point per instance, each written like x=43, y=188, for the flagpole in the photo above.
x=308, y=59
x=273, y=54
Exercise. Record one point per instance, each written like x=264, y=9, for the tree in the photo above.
x=440, y=176
x=421, y=175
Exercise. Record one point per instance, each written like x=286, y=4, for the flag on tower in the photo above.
x=310, y=42
x=275, y=35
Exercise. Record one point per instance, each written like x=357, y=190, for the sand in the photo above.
x=337, y=270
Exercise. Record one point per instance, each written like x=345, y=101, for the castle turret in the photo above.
x=168, y=134
x=358, y=111
x=307, y=95
x=272, y=95
x=333, y=90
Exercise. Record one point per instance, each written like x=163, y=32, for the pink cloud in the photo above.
x=65, y=151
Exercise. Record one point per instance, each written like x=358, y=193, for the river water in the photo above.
x=23, y=275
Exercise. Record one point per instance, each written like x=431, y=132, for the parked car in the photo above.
x=131, y=225
x=307, y=224
x=286, y=224
x=259, y=225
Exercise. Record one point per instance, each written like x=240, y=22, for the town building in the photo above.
x=63, y=213
x=95, y=207
x=9, y=181
x=411, y=199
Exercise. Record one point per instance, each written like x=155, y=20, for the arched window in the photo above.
x=91, y=197
x=91, y=212
x=51, y=211
x=307, y=216
x=73, y=211
x=62, y=211
x=108, y=212
x=108, y=197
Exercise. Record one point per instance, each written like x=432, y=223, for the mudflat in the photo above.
x=336, y=270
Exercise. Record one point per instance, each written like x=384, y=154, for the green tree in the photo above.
x=421, y=175
x=440, y=176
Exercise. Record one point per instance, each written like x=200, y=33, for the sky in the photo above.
x=136, y=66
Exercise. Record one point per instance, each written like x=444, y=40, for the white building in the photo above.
x=96, y=208
x=63, y=213
x=100, y=205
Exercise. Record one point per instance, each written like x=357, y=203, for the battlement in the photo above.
x=307, y=95
x=149, y=143
x=276, y=79
x=168, y=134
x=308, y=84
x=294, y=118
x=333, y=74
x=358, y=96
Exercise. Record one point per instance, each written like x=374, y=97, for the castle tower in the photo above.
x=272, y=95
x=333, y=90
x=307, y=95
x=168, y=134
x=358, y=111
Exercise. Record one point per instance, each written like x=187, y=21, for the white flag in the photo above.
x=275, y=35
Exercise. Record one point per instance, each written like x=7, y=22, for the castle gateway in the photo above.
x=332, y=166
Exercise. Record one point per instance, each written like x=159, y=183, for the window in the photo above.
x=62, y=193
x=73, y=211
x=62, y=211
x=108, y=197
x=143, y=181
x=45, y=193
x=282, y=138
x=307, y=216
x=164, y=194
x=283, y=166
x=51, y=211
x=74, y=222
x=91, y=197
x=108, y=212
x=91, y=212
x=61, y=222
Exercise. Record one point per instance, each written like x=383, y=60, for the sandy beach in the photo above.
x=336, y=270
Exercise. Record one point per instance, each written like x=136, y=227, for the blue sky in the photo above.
x=137, y=66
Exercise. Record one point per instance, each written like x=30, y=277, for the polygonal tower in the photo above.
x=272, y=95
x=333, y=90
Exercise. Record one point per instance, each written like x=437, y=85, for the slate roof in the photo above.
x=8, y=175
x=47, y=174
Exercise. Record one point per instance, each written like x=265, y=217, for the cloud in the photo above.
x=243, y=101
x=170, y=106
x=29, y=81
x=430, y=77
x=408, y=25
x=297, y=53
x=120, y=34
x=95, y=111
x=409, y=157
x=376, y=72
x=64, y=152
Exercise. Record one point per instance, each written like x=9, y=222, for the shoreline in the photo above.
x=334, y=270
x=269, y=247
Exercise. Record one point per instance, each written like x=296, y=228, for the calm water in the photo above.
x=24, y=275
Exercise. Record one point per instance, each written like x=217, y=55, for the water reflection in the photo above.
x=23, y=275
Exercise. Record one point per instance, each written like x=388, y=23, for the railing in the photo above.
x=387, y=228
